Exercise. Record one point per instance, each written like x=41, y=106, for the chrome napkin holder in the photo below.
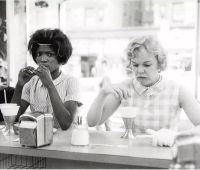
x=36, y=129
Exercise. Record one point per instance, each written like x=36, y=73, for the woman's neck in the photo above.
x=155, y=82
x=55, y=74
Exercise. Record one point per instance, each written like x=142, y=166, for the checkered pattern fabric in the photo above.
x=158, y=105
x=37, y=95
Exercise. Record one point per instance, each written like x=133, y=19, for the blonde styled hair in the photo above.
x=152, y=46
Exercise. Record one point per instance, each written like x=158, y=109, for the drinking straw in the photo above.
x=5, y=98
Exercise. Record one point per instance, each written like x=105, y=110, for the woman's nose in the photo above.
x=140, y=69
x=43, y=58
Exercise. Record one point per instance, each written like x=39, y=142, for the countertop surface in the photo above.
x=104, y=147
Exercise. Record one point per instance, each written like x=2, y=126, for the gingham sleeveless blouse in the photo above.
x=158, y=105
x=35, y=93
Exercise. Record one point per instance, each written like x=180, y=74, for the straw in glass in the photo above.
x=5, y=98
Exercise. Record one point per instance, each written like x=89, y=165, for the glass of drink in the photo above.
x=128, y=115
x=9, y=111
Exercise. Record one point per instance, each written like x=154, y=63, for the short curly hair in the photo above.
x=60, y=43
x=152, y=46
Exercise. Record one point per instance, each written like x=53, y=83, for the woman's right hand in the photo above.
x=118, y=90
x=25, y=75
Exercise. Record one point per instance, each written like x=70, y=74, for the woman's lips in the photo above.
x=141, y=77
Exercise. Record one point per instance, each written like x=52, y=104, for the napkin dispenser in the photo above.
x=36, y=129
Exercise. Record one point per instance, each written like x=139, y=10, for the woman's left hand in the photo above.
x=44, y=75
x=162, y=137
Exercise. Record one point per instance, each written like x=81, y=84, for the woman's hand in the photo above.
x=162, y=137
x=44, y=75
x=25, y=75
x=118, y=90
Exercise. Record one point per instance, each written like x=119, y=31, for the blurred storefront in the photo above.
x=102, y=29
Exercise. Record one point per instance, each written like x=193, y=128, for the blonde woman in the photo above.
x=159, y=101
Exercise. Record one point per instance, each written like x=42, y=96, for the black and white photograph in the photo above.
x=100, y=84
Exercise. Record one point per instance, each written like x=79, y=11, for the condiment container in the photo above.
x=188, y=151
x=80, y=133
